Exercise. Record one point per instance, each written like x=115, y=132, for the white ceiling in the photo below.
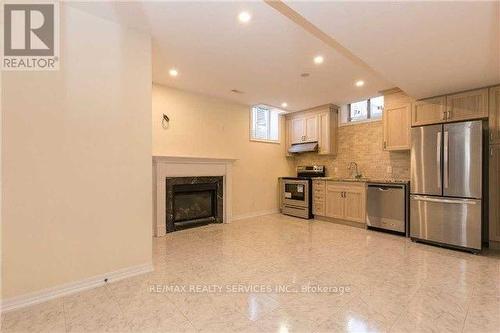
x=425, y=48
x=214, y=53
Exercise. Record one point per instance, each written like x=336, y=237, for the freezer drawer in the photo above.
x=450, y=221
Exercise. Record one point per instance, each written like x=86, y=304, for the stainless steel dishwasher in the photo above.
x=387, y=207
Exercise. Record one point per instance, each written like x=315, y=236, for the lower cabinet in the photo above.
x=340, y=200
x=494, y=197
x=319, y=197
x=354, y=209
x=334, y=200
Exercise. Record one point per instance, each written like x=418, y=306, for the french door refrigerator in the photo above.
x=446, y=184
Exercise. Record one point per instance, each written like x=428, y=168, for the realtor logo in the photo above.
x=31, y=36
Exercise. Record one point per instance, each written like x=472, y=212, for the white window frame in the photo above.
x=345, y=114
x=251, y=125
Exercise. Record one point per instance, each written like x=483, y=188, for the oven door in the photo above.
x=296, y=192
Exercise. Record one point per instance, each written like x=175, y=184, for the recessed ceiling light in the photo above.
x=236, y=91
x=244, y=17
x=318, y=60
x=284, y=105
x=173, y=72
x=360, y=83
x=304, y=74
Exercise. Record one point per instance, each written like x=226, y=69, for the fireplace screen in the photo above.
x=193, y=201
x=193, y=205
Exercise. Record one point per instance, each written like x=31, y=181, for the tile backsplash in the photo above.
x=361, y=143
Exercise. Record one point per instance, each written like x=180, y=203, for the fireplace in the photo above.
x=193, y=201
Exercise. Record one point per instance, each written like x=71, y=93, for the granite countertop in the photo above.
x=364, y=180
x=360, y=180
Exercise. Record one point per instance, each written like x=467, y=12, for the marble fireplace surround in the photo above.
x=216, y=184
x=184, y=166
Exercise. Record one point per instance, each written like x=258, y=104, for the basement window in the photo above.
x=366, y=110
x=264, y=123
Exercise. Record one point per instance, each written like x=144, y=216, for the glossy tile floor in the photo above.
x=390, y=285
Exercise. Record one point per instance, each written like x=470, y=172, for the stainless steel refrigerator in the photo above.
x=446, y=184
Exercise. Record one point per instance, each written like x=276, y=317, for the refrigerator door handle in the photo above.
x=446, y=155
x=438, y=158
x=451, y=201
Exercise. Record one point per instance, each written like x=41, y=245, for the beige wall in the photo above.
x=77, y=159
x=362, y=143
x=209, y=127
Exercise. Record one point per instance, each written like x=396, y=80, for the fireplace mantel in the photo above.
x=187, y=166
x=191, y=159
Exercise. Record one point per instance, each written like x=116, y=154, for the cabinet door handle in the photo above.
x=385, y=145
x=443, y=117
x=448, y=115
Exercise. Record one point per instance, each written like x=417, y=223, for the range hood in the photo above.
x=303, y=147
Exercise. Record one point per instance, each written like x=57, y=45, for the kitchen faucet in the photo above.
x=353, y=166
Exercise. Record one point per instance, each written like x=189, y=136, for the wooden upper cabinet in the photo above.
x=314, y=125
x=455, y=107
x=305, y=129
x=397, y=121
x=397, y=127
x=494, y=104
x=327, y=132
x=288, y=136
x=494, y=197
x=311, y=126
x=429, y=111
x=467, y=105
x=298, y=130
x=324, y=133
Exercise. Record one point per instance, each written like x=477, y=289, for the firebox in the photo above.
x=193, y=201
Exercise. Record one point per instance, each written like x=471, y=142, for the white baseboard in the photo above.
x=72, y=287
x=255, y=214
